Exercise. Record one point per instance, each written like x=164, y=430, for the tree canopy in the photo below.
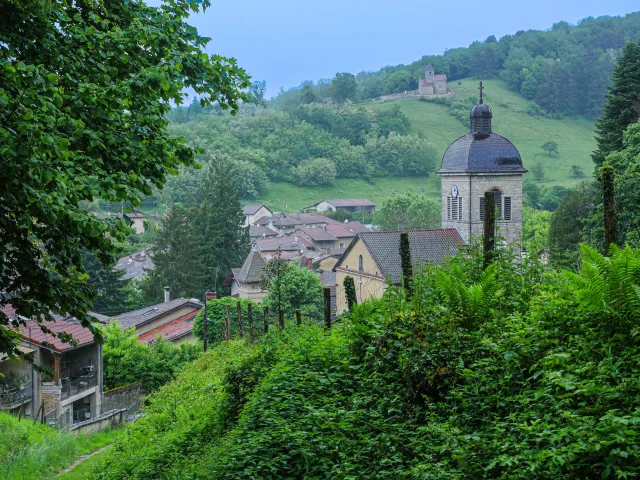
x=84, y=90
x=408, y=211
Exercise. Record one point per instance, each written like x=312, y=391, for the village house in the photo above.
x=136, y=265
x=172, y=319
x=281, y=223
x=313, y=220
x=256, y=232
x=348, y=204
x=252, y=213
x=137, y=219
x=345, y=232
x=245, y=281
x=373, y=259
x=319, y=237
x=290, y=247
x=73, y=392
x=333, y=236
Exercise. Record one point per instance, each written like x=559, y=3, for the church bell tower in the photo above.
x=479, y=161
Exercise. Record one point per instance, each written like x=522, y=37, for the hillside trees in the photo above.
x=623, y=104
x=398, y=82
x=408, y=211
x=114, y=293
x=83, y=117
x=565, y=69
x=343, y=87
x=310, y=145
x=298, y=288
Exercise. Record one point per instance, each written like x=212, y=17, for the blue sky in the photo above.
x=287, y=41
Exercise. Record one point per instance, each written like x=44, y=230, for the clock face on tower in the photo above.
x=454, y=191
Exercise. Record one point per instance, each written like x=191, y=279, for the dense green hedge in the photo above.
x=516, y=372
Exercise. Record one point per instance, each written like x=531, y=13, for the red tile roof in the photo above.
x=347, y=229
x=440, y=77
x=31, y=332
x=174, y=329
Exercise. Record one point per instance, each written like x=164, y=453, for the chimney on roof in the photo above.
x=167, y=294
x=211, y=296
x=310, y=263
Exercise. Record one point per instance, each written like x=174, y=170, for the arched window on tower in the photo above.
x=360, y=264
x=497, y=195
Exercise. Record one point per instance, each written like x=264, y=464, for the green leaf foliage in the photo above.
x=83, y=118
x=126, y=360
x=298, y=288
x=217, y=313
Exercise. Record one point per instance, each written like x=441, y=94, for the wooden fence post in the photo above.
x=350, y=292
x=489, y=237
x=227, y=323
x=608, y=197
x=281, y=319
x=266, y=319
x=240, y=326
x=298, y=317
x=327, y=307
x=405, y=261
x=250, y=321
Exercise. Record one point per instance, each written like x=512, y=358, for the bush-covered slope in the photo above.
x=515, y=372
x=34, y=452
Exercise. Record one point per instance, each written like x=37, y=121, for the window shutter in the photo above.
x=507, y=208
x=448, y=208
x=459, y=208
x=482, y=209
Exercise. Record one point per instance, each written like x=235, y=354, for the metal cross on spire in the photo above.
x=481, y=88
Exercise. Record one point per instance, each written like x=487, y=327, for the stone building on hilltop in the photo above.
x=432, y=84
x=479, y=161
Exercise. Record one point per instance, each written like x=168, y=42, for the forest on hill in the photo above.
x=564, y=70
x=328, y=138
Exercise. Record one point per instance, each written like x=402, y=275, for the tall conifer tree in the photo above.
x=223, y=242
x=623, y=104
x=175, y=255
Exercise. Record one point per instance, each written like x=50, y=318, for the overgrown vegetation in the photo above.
x=513, y=372
x=34, y=452
x=126, y=360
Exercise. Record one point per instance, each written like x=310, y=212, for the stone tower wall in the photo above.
x=471, y=189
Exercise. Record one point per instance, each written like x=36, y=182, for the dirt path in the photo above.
x=81, y=459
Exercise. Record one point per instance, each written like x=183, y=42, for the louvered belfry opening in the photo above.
x=481, y=124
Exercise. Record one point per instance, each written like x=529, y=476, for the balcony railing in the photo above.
x=12, y=398
x=71, y=388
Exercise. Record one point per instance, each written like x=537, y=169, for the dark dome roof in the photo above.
x=481, y=153
x=480, y=110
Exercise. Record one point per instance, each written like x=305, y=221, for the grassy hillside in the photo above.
x=31, y=451
x=455, y=383
x=574, y=136
x=283, y=196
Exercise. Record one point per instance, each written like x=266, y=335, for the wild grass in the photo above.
x=34, y=452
